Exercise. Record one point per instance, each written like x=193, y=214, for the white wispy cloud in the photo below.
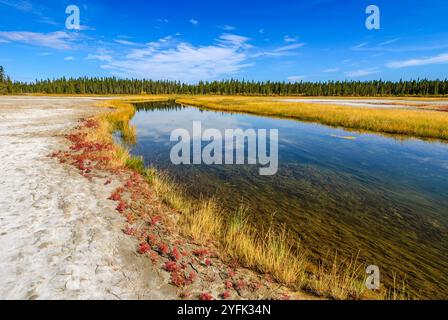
x=193, y=21
x=361, y=45
x=234, y=40
x=100, y=57
x=128, y=43
x=227, y=27
x=290, y=39
x=361, y=73
x=295, y=78
x=387, y=46
x=439, y=59
x=279, y=51
x=170, y=59
x=27, y=7
x=387, y=42
x=86, y=28
x=21, y=5
x=289, y=47
x=69, y=58
x=331, y=70
x=55, y=40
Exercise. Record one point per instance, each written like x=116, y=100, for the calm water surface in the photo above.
x=383, y=198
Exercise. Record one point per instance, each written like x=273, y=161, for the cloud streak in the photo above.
x=295, y=78
x=25, y=6
x=439, y=59
x=361, y=73
x=331, y=70
x=56, y=40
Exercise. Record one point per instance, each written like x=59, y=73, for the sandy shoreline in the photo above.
x=59, y=236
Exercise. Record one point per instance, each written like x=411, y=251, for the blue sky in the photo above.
x=309, y=40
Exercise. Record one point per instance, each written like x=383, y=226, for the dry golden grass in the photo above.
x=341, y=280
x=416, y=123
x=269, y=253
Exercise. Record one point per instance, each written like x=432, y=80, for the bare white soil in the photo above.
x=370, y=103
x=60, y=238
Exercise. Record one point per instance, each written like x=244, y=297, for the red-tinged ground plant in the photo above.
x=208, y=262
x=144, y=247
x=129, y=184
x=155, y=220
x=129, y=231
x=171, y=266
x=225, y=295
x=240, y=284
x=285, y=297
x=122, y=206
x=254, y=286
x=205, y=296
x=164, y=248
x=152, y=239
x=175, y=255
x=201, y=253
x=191, y=277
x=154, y=256
x=231, y=273
x=181, y=278
x=178, y=279
x=116, y=195
x=185, y=253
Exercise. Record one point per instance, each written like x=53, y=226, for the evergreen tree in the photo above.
x=2, y=74
x=3, y=81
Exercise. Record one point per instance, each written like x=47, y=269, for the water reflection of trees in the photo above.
x=169, y=105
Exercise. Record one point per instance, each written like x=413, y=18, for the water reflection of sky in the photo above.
x=425, y=162
x=370, y=193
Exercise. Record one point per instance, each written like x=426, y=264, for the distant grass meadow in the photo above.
x=270, y=251
x=414, y=123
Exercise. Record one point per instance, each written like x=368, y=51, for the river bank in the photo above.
x=60, y=237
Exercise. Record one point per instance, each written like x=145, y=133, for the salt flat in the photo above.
x=60, y=238
x=372, y=103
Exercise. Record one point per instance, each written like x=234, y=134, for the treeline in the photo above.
x=228, y=87
x=6, y=84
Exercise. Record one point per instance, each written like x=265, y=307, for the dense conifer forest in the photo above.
x=112, y=85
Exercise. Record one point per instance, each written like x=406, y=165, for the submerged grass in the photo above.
x=268, y=251
x=416, y=123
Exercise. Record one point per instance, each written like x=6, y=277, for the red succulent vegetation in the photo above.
x=205, y=296
x=144, y=248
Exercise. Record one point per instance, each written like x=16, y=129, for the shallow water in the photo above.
x=335, y=190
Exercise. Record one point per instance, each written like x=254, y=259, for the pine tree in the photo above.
x=2, y=74
x=3, y=82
